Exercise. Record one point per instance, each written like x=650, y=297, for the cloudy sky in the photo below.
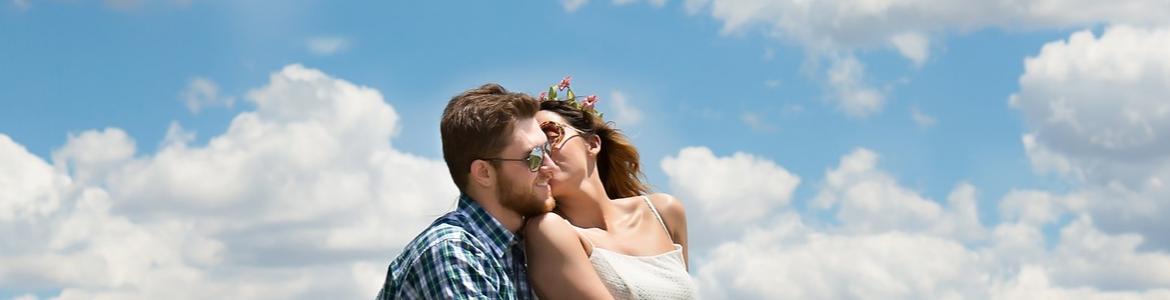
x=878, y=149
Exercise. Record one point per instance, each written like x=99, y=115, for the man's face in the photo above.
x=521, y=190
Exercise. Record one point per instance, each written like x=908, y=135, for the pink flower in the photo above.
x=564, y=83
x=543, y=96
x=589, y=102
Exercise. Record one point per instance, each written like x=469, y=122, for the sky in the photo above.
x=876, y=149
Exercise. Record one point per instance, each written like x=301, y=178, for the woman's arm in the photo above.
x=675, y=216
x=558, y=266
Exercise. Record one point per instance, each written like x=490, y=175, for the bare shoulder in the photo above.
x=547, y=225
x=669, y=206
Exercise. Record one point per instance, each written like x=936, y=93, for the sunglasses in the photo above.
x=556, y=134
x=534, y=159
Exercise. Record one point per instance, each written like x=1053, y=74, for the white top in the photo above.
x=662, y=276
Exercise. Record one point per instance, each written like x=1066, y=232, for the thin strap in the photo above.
x=658, y=216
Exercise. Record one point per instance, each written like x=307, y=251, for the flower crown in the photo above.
x=587, y=105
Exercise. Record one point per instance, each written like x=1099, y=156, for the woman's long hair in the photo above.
x=618, y=162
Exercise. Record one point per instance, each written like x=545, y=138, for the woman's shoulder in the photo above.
x=668, y=206
x=546, y=223
x=549, y=232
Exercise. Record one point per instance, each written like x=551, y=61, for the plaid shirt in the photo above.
x=465, y=254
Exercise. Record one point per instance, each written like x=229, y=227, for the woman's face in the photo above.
x=570, y=151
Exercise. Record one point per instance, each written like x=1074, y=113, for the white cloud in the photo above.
x=829, y=29
x=851, y=94
x=302, y=198
x=788, y=260
x=922, y=119
x=1096, y=112
x=326, y=46
x=737, y=189
x=1032, y=282
x=913, y=46
x=627, y=114
x=1100, y=102
x=845, y=25
x=203, y=93
x=1090, y=257
x=93, y=154
x=895, y=244
x=28, y=186
x=572, y=5
x=868, y=199
x=22, y=5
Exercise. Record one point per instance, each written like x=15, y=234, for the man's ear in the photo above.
x=482, y=173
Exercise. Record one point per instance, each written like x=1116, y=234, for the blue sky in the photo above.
x=752, y=78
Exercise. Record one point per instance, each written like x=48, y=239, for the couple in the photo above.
x=514, y=158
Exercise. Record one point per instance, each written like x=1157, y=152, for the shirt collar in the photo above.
x=486, y=227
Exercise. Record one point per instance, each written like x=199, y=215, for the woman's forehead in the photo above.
x=544, y=115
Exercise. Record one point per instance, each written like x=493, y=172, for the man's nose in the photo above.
x=547, y=166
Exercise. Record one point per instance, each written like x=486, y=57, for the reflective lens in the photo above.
x=536, y=158
x=554, y=131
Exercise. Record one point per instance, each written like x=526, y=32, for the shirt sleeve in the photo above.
x=456, y=269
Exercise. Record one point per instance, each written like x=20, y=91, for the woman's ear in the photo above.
x=482, y=173
x=594, y=143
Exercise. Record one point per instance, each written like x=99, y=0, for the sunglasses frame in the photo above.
x=538, y=153
x=561, y=139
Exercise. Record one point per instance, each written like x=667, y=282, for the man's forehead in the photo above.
x=526, y=135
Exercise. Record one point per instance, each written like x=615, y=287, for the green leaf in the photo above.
x=552, y=92
x=571, y=96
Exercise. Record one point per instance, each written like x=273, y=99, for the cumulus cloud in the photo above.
x=203, y=93
x=28, y=186
x=1096, y=113
x=326, y=46
x=788, y=260
x=887, y=241
x=756, y=185
x=867, y=199
x=302, y=198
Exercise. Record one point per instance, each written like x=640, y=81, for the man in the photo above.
x=495, y=152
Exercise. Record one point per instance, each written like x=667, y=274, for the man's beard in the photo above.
x=523, y=201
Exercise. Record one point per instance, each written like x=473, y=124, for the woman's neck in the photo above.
x=588, y=206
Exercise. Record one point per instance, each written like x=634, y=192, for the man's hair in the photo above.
x=478, y=124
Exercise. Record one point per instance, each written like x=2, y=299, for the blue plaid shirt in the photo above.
x=465, y=254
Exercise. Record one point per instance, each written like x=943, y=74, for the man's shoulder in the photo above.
x=443, y=249
x=447, y=235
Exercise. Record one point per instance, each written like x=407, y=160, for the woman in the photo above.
x=606, y=238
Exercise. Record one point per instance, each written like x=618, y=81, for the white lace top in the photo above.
x=662, y=276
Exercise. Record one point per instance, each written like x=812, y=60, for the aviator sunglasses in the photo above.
x=556, y=134
x=534, y=159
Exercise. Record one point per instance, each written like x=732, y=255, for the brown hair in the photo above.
x=478, y=123
x=618, y=162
